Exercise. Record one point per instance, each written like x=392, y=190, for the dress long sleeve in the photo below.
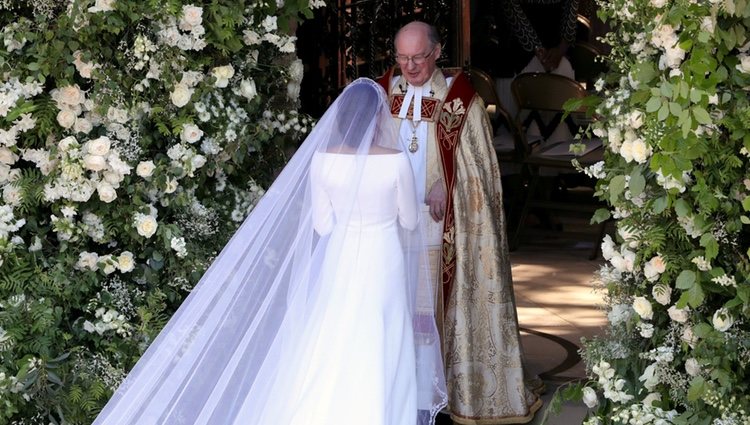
x=408, y=210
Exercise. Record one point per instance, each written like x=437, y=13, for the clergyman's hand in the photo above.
x=437, y=199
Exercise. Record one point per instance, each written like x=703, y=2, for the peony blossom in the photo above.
x=145, y=169
x=190, y=133
x=590, y=398
x=125, y=262
x=654, y=268
x=222, y=75
x=106, y=192
x=248, y=89
x=146, y=225
x=94, y=162
x=649, y=377
x=99, y=146
x=692, y=367
x=661, y=293
x=181, y=95
x=643, y=307
x=66, y=118
x=679, y=315
x=722, y=320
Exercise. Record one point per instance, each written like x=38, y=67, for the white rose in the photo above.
x=67, y=143
x=626, y=150
x=674, y=56
x=87, y=260
x=192, y=16
x=653, y=268
x=7, y=156
x=292, y=90
x=106, y=192
x=662, y=293
x=198, y=161
x=722, y=320
x=608, y=248
x=251, y=37
x=69, y=95
x=649, y=377
x=99, y=146
x=692, y=367
x=248, y=89
x=181, y=95
x=590, y=398
x=12, y=195
x=145, y=168
x=658, y=3
x=82, y=125
x=109, y=268
x=102, y=6
x=744, y=65
x=635, y=119
x=94, y=162
x=708, y=24
x=689, y=337
x=679, y=315
x=222, y=75
x=640, y=151
x=614, y=135
x=171, y=185
x=296, y=70
x=643, y=307
x=66, y=118
x=651, y=398
x=146, y=225
x=117, y=115
x=125, y=262
x=190, y=133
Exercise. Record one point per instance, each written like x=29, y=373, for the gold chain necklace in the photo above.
x=414, y=141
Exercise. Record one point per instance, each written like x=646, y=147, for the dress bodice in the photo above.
x=362, y=190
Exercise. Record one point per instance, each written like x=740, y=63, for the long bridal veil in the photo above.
x=227, y=348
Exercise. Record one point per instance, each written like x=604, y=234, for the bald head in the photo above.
x=417, y=49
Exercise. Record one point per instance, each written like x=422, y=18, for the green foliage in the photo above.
x=674, y=119
x=135, y=136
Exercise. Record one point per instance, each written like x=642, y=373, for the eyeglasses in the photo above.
x=417, y=59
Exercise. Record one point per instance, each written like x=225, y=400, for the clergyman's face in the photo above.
x=413, y=43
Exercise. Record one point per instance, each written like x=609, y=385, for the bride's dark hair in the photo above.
x=359, y=104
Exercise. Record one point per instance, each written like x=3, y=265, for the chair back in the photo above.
x=484, y=84
x=586, y=61
x=542, y=92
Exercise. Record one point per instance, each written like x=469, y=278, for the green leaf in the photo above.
x=701, y=115
x=616, y=187
x=686, y=279
x=637, y=182
x=746, y=203
x=653, y=104
x=682, y=208
x=695, y=95
x=663, y=112
x=660, y=204
x=675, y=108
x=708, y=241
x=697, y=388
x=745, y=219
x=600, y=216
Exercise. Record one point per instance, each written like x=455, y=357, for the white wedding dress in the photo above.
x=318, y=310
x=357, y=357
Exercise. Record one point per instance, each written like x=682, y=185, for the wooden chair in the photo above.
x=508, y=141
x=538, y=95
x=586, y=61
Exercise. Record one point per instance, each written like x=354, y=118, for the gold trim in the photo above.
x=501, y=421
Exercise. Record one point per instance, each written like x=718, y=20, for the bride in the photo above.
x=318, y=311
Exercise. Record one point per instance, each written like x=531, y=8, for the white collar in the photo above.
x=414, y=94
